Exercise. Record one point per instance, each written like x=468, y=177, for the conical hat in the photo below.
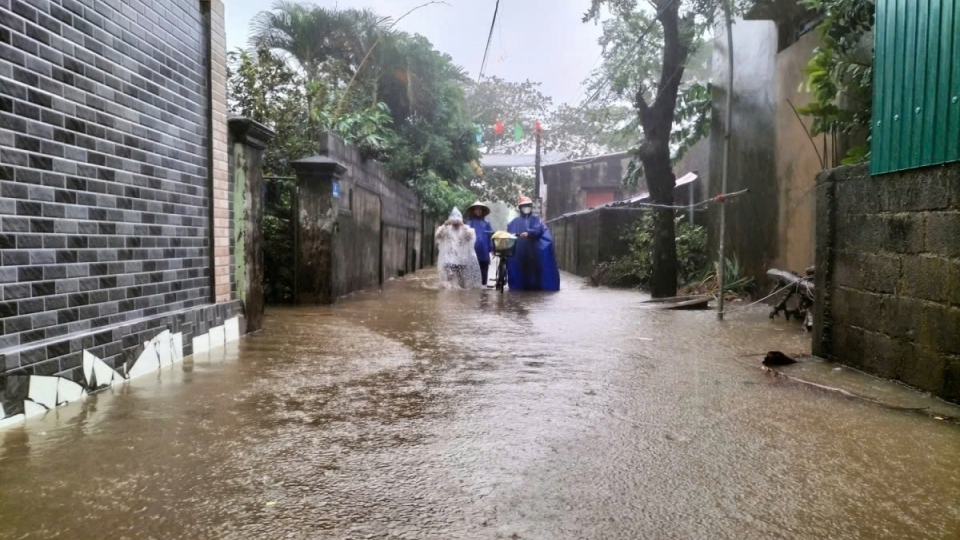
x=455, y=215
x=478, y=204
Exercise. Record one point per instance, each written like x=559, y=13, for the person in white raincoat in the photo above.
x=457, y=262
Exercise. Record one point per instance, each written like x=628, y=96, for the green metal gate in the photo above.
x=916, y=90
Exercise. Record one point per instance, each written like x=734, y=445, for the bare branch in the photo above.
x=823, y=165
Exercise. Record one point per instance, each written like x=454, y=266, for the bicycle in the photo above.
x=504, y=246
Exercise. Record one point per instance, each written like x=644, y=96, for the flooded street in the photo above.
x=441, y=415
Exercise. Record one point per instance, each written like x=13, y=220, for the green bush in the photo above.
x=634, y=269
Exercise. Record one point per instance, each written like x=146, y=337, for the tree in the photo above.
x=655, y=103
x=511, y=103
x=840, y=74
x=324, y=43
x=264, y=88
x=434, y=125
x=590, y=129
x=504, y=185
x=389, y=92
x=646, y=52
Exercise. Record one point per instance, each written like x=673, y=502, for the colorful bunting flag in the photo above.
x=498, y=127
x=536, y=126
x=517, y=133
x=479, y=132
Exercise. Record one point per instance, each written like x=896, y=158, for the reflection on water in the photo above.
x=419, y=413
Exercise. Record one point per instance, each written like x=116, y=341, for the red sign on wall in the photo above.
x=598, y=198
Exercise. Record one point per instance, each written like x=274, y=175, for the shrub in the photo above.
x=634, y=269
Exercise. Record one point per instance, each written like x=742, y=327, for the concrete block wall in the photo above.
x=373, y=206
x=401, y=206
x=374, y=230
x=110, y=143
x=585, y=239
x=888, y=274
x=359, y=241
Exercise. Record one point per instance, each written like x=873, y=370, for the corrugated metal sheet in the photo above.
x=916, y=90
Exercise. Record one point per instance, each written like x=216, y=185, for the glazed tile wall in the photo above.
x=104, y=181
x=131, y=351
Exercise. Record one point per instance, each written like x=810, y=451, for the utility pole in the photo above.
x=726, y=159
x=536, y=166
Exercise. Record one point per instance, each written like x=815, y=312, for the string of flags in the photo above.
x=499, y=128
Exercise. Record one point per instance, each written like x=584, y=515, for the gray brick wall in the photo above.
x=104, y=210
x=888, y=274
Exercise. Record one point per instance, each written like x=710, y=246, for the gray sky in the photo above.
x=540, y=40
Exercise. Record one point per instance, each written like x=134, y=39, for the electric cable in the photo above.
x=486, y=50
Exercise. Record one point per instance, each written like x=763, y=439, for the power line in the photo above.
x=486, y=50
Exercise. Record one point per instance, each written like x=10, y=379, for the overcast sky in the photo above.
x=540, y=40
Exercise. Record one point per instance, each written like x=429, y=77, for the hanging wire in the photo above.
x=717, y=199
x=486, y=50
x=738, y=309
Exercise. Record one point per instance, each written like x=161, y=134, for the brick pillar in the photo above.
x=317, y=212
x=220, y=176
x=249, y=141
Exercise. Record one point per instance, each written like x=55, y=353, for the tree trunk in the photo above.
x=657, y=121
x=660, y=183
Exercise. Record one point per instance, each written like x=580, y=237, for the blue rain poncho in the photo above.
x=533, y=266
x=484, y=244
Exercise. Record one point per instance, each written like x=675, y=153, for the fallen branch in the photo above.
x=845, y=393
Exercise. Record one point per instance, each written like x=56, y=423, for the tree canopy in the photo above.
x=404, y=103
x=388, y=92
x=840, y=74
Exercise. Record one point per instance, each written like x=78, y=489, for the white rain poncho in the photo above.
x=457, y=262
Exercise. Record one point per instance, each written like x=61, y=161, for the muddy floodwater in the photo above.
x=417, y=413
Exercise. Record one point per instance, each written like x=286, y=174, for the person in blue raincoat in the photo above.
x=476, y=219
x=533, y=266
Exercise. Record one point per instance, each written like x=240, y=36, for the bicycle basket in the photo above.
x=504, y=244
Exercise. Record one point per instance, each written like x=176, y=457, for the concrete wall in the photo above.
x=752, y=220
x=395, y=216
x=318, y=278
x=428, y=246
x=113, y=187
x=888, y=274
x=372, y=232
x=797, y=159
x=585, y=239
x=248, y=140
x=359, y=241
x=771, y=153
